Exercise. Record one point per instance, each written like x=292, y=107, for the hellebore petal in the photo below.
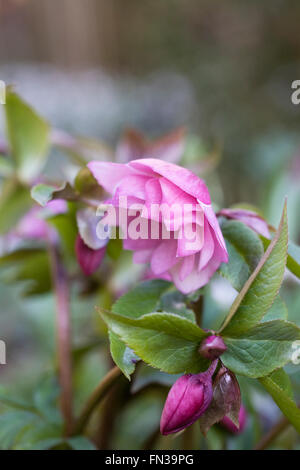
x=88, y=259
x=187, y=400
x=233, y=428
x=212, y=347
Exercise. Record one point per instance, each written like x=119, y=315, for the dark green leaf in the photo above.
x=163, y=340
x=245, y=249
x=259, y=292
x=144, y=298
x=278, y=311
x=261, y=350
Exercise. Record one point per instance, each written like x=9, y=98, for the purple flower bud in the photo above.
x=212, y=347
x=88, y=259
x=249, y=218
x=231, y=427
x=187, y=400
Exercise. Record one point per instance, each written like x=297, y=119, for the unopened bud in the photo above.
x=212, y=347
x=187, y=400
x=88, y=259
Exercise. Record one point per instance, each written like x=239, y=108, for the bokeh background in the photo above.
x=95, y=67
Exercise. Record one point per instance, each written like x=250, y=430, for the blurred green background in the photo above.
x=95, y=67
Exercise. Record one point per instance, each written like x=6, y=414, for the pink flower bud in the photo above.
x=212, y=347
x=231, y=427
x=88, y=259
x=187, y=400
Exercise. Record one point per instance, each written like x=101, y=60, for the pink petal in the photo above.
x=164, y=256
x=109, y=174
x=213, y=222
x=181, y=177
x=208, y=248
x=187, y=266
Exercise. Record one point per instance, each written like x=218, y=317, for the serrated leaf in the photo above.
x=283, y=400
x=163, y=340
x=123, y=356
x=28, y=135
x=144, y=298
x=259, y=292
x=245, y=249
x=262, y=349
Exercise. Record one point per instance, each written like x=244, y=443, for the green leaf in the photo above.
x=175, y=302
x=15, y=201
x=43, y=193
x=32, y=266
x=81, y=443
x=262, y=349
x=123, y=356
x=245, y=249
x=11, y=424
x=144, y=298
x=278, y=311
x=293, y=261
x=28, y=135
x=259, y=292
x=282, y=399
x=163, y=340
x=293, y=258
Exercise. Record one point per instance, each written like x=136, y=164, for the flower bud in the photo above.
x=187, y=400
x=88, y=259
x=231, y=427
x=212, y=347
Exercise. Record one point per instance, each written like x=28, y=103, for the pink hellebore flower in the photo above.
x=188, y=399
x=252, y=219
x=231, y=427
x=151, y=182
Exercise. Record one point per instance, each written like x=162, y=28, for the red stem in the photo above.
x=63, y=329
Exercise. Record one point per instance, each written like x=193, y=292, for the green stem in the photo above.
x=96, y=397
